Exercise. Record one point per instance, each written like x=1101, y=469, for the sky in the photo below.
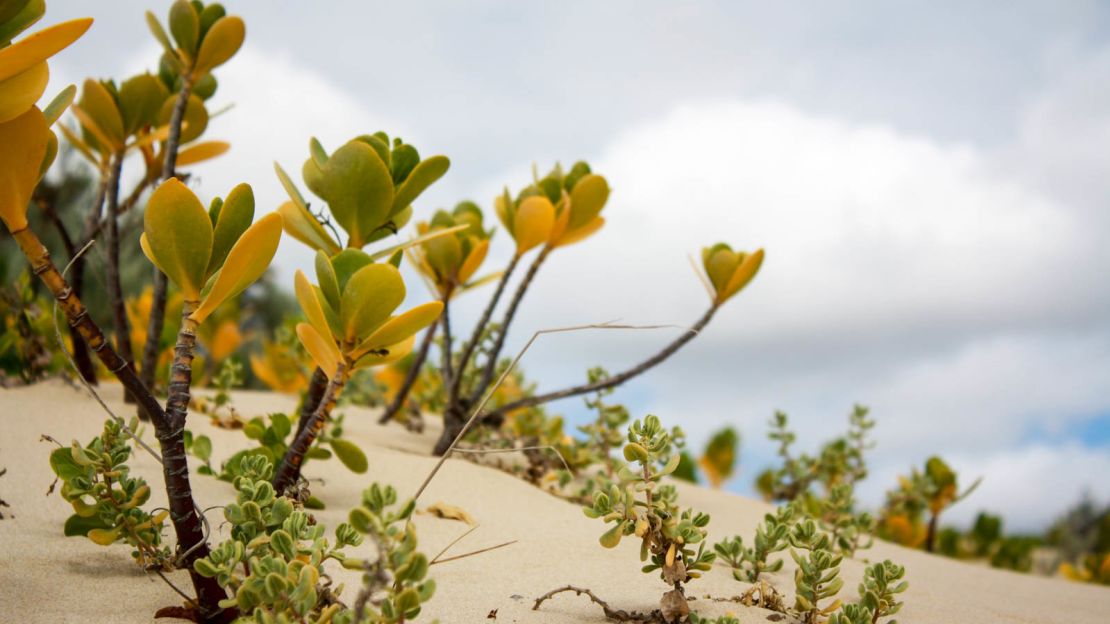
x=929, y=181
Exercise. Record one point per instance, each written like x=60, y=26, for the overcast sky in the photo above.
x=929, y=181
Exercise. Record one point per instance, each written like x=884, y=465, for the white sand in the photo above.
x=45, y=577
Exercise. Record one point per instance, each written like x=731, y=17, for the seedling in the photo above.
x=750, y=563
x=818, y=575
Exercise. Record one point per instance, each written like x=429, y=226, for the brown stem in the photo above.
x=316, y=387
x=617, y=615
x=187, y=525
x=931, y=535
x=158, y=299
x=289, y=470
x=480, y=327
x=445, y=365
x=77, y=269
x=398, y=401
x=609, y=382
x=503, y=331
x=115, y=287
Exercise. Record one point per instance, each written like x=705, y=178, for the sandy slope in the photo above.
x=45, y=577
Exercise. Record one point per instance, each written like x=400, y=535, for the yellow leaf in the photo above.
x=80, y=145
x=582, y=233
x=369, y=297
x=225, y=341
x=535, y=218
x=390, y=353
x=36, y=48
x=744, y=273
x=24, y=139
x=179, y=234
x=221, y=42
x=305, y=228
x=21, y=91
x=587, y=198
x=101, y=107
x=98, y=139
x=441, y=509
x=104, y=537
x=323, y=350
x=720, y=265
x=201, y=152
x=423, y=237
x=401, y=327
x=310, y=304
x=246, y=262
x=473, y=261
x=562, y=218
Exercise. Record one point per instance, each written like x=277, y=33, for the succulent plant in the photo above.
x=882, y=581
x=557, y=210
x=749, y=563
x=368, y=183
x=449, y=262
x=818, y=574
x=729, y=271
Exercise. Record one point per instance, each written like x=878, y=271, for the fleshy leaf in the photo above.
x=304, y=227
x=323, y=350
x=140, y=101
x=402, y=326
x=221, y=42
x=368, y=299
x=346, y=263
x=200, y=152
x=744, y=273
x=20, y=92
x=36, y=48
x=357, y=187
x=195, y=118
x=390, y=353
x=59, y=104
x=350, y=454
x=185, y=27
x=582, y=233
x=444, y=254
x=473, y=261
x=15, y=19
x=246, y=262
x=234, y=217
x=179, y=235
x=422, y=176
x=24, y=139
x=532, y=226
x=325, y=277
x=586, y=200
x=310, y=304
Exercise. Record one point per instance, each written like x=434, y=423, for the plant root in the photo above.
x=616, y=615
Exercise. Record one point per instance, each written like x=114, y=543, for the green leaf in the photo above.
x=402, y=326
x=404, y=160
x=104, y=113
x=185, y=26
x=140, y=101
x=159, y=33
x=202, y=448
x=76, y=526
x=613, y=536
x=587, y=199
x=357, y=187
x=368, y=299
x=222, y=41
x=351, y=455
x=179, y=234
x=326, y=278
x=423, y=175
x=233, y=218
x=18, y=16
x=59, y=104
x=61, y=462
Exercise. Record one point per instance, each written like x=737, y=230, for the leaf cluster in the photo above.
x=748, y=563
x=107, y=501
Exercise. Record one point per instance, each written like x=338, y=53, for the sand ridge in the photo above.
x=46, y=577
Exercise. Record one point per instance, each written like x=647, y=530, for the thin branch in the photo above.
x=489, y=393
x=445, y=320
x=472, y=553
x=521, y=449
x=480, y=327
x=618, y=615
x=413, y=374
x=453, y=542
x=615, y=380
x=503, y=330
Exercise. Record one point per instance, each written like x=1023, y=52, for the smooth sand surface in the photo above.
x=45, y=577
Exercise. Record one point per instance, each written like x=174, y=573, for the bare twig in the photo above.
x=480, y=326
x=619, y=615
x=473, y=552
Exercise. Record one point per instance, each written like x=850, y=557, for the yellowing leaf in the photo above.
x=101, y=107
x=104, y=537
x=386, y=355
x=720, y=266
x=20, y=92
x=179, y=234
x=323, y=350
x=144, y=244
x=246, y=262
x=582, y=233
x=444, y=254
x=424, y=236
x=221, y=42
x=36, y=48
x=535, y=217
x=402, y=326
x=140, y=101
x=24, y=139
x=304, y=227
x=744, y=274
x=587, y=198
x=369, y=297
x=195, y=119
x=473, y=261
x=201, y=152
x=310, y=304
x=441, y=509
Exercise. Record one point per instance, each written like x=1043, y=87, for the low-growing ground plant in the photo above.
x=817, y=577
x=749, y=563
x=638, y=504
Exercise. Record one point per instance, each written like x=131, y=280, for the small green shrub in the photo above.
x=749, y=563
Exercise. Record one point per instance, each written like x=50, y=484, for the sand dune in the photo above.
x=45, y=577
